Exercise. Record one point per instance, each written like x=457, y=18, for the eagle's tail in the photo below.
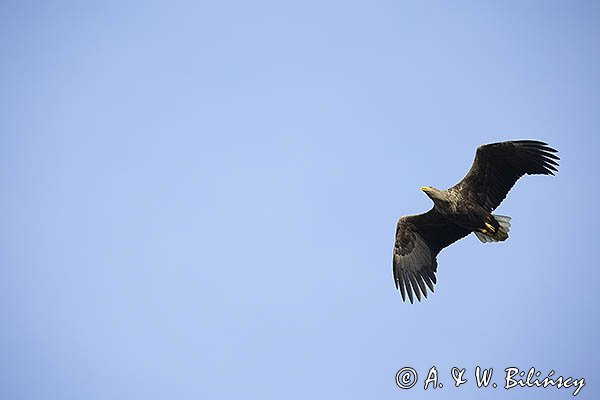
x=501, y=234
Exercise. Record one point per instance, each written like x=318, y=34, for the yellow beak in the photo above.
x=425, y=188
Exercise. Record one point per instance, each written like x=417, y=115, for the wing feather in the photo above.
x=498, y=166
x=419, y=239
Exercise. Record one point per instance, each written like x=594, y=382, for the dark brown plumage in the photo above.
x=464, y=208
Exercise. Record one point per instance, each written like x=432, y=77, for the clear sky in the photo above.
x=199, y=199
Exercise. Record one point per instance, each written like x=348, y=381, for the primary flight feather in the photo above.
x=464, y=208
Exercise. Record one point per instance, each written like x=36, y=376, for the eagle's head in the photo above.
x=435, y=194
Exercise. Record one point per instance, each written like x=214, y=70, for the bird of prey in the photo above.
x=464, y=208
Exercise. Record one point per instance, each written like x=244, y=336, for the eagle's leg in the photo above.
x=489, y=228
x=491, y=233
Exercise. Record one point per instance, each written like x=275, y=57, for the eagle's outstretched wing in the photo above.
x=498, y=166
x=419, y=239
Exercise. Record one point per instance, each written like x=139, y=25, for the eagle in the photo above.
x=464, y=208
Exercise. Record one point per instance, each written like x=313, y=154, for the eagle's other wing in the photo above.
x=419, y=239
x=498, y=166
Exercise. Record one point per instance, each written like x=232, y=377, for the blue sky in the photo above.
x=200, y=198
